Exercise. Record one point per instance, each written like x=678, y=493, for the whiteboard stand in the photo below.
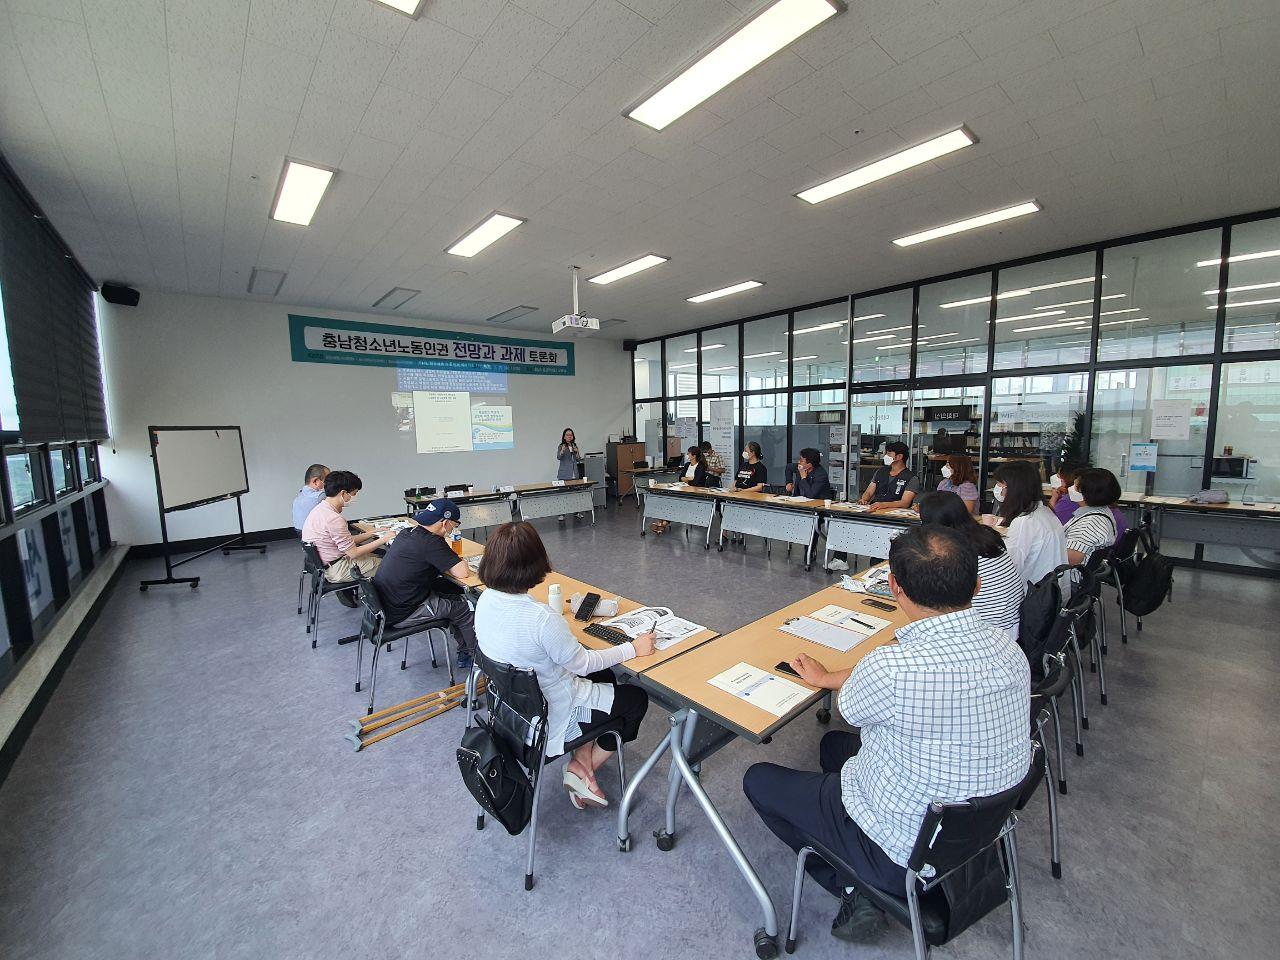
x=202, y=456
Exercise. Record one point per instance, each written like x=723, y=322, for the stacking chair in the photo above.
x=952, y=836
x=1059, y=676
x=1040, y=714
x=375, y=630
x=1124, y=557
x=639, y=486
x=518, y=714
x=1087, y=627
x=321, y=587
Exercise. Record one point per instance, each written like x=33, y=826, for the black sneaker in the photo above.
x=859, y=920
x=348, y=598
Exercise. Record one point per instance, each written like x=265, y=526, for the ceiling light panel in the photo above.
x=302, y=187
x=750, y=45
x=408, y=7
x=726, y=291
x=1247, y=286
x=887, y=167
x=495, y=227
x=834, y=325
x=515, y=313
x=971, y=223
x=1050, y=326
x=757, y=356
x=395, y=298
x=1080, y=303
x=705, y=346
x=627, y=269
x=1030, y=316
x=266, y=283
x=1240, y=258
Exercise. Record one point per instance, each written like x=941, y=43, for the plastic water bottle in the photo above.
x=455, y=542
x=554, y=600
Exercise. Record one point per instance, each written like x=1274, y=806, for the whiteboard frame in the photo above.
x=153, y=433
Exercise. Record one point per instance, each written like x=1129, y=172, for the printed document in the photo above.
x=669, y=628
x=761, y=688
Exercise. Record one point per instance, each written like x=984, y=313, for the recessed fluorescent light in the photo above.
x=395, y=298
x=1030, y=316
x=894, y=329
x=680, y=366
x=810, y=357
x=1247, y=286
x=1063, y=283
x=1112, y=323
x=1050, y=326
x=935, y=336
x=506, y=316
x=302, y=186
x=869, y=316
x=1078, y=303
x=266, y=283
x=1248, y=303
x=746, y=47
x=879, y=336
x=757, y=356
x=627, y=269
x=1240, y=258
x=970, y=302
x=895, y=346
x=709, y=346
x=725, y=291
x=410, y=7
x=718, y=369
x=895, y=163
x=1112, y=313
x=495, y=227
x=821, y=326
x=972, y=223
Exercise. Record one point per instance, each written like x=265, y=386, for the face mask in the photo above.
x=998, y=493
x=746, y=454
x=888, y=460
x=946, y=472
x=1055, y=481
x=1075, y=495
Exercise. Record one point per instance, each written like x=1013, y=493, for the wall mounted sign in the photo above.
x=323, y=340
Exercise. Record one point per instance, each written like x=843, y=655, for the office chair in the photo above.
x=374, y=629
x=321, y=587
x=518, y=714
x=979, y=833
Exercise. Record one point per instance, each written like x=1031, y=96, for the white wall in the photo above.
x=182, y=360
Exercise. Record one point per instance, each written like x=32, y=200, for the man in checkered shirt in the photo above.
x=943, y=714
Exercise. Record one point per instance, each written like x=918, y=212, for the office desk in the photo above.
x=684, y=682
x=1233, y=524
x=857, y=531
x=676, y=503
x=642, y=478
x=535, y=500
x=486, y=508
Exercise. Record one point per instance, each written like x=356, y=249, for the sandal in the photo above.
x=658, y=527
x=580, y=791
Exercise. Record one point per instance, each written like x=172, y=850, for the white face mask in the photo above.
x=1055, y=481
x=888, y=460
x=998, y=493
x=946, y=472
x=746, y=454
x=1075, y=495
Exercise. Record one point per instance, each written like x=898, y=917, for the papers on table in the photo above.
x=835, y=627
x=391, y=523
x=761, y=688
x=474, y=562
x=784, y=498
x=875, y=581
x=669, y=628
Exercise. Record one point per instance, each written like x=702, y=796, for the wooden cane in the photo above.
x=443, y=697
x=419, y=703
x=360, y=743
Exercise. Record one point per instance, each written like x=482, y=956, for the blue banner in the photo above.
x=321, y=340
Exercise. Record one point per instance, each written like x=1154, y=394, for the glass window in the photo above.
x=764, y=353
x=882, y=337
x=26, y=480
x=648, y=375
x=1039, y=419
x=1153, y=297
x=1123, y=406
x=1044, y=312
x=820, y=345
x=649, y=431
x=945, y=422
x=720, y=360
x=1247, y=437
x=8, y=401
x=682, y=366
x=1253, y=287
x=88, y=456
x=766, y=424
x=954, y=319
x=818, y=422
x=64, y=470
x=874, y=420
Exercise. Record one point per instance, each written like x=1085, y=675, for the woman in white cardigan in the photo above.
x=514, y=628
x=1034, y=539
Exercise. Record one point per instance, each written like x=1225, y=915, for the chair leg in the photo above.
x=1015, y=891
x=1124, y=618
x=917, y=924
x=301, y=577
x=1077, y=700
x=404, y=654
x=1079, y=677
x=315, y=623
x=1057, y=736
x=533, y=827
x=797, y=889
x=359, y=659
x=449, y=659
x=1100, y=650
x=1055, y=855
x=1101, y=608
x=622, y=766
x=431, y=644
x=373, y=671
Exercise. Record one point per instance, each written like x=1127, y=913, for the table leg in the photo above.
x=666, y=838
x=628, y=798
x=766, y=939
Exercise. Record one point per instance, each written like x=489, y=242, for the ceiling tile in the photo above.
x=594, y=41
x=510, y=49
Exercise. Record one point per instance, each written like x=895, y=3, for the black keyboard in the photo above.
x=588, y=606
x=608, y=634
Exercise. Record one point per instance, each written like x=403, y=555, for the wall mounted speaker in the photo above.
x=119, y=293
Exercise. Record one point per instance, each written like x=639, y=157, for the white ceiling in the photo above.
x=153, y=133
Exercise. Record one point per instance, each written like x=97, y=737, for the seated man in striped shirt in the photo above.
x=943, y=714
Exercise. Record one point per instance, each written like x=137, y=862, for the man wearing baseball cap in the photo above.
x=412, y=579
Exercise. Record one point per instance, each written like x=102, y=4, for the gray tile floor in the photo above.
x=188, y=793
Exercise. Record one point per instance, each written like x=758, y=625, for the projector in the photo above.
x=573, y=325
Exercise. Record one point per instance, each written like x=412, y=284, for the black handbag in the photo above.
x=494, y=777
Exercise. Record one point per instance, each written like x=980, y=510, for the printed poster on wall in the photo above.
x=721, y=426
x=1171, y=420
x=323, y=340
x=1142, y=457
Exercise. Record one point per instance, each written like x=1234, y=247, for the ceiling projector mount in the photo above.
x=574, y=324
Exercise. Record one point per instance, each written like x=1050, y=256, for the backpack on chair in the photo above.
x=1036, y=615
x=1150, y=581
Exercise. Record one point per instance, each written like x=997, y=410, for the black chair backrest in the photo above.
x=1035, y=775
x=372, y=615
x=311, y=557
x=951, y=834
x=517, y=709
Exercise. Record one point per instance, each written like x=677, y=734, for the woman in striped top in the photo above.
x=1000, y=585
x=1092, y=526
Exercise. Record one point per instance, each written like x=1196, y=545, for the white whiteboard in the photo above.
x=196, y=465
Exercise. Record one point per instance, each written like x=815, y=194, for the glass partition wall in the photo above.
x=1066, y=357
